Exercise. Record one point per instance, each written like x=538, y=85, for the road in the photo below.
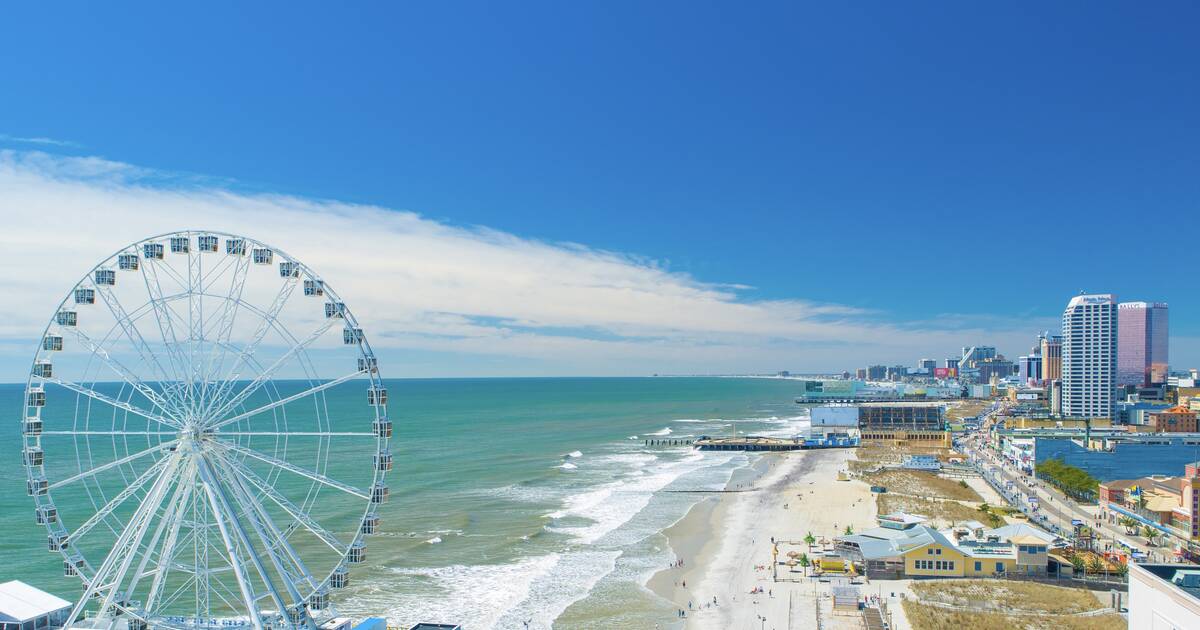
x=1056, y=510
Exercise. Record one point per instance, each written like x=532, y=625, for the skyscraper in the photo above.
x=1029, y=368
x=1141, y=343
x=1051, y=357
x=1089, y=356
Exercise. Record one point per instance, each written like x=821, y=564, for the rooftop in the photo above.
x=1010, y=532
x=1168, y=577
x=901, y=517
x=987, y=550
x=22, y=602
x=903, y=403
x=1099, y=298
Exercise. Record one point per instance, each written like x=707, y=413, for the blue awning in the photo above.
x=1141, y=519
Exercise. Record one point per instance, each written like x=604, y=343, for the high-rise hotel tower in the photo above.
x=1089, y=356
x=1141, y=343
x=1051, y=352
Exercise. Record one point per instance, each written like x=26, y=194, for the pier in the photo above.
x=666, y=442
x=754, y=443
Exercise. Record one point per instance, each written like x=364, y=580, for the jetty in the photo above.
x=757, y=443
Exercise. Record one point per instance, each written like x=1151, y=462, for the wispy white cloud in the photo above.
x=466, y=300
x=46, y=142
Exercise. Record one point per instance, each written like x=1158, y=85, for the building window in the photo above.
x=999, y=567
x=978, y=565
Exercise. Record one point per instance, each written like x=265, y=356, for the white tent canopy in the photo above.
x=26, y=607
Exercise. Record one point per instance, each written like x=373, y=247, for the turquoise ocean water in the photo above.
x=512, y=500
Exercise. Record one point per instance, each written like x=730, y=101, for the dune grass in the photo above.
x=926, y=617
x=922, y=483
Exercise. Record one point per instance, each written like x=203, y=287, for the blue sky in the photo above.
x=948, y=162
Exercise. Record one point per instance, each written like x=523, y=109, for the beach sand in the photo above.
x=725, y=542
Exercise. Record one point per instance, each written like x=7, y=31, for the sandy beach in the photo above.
x=725, y=542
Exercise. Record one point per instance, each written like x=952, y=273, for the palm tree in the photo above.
x=809, y=539
x=849, y=530
x=1149, y=533
x=985, y=508
x=804, y=563
x=1095, y=566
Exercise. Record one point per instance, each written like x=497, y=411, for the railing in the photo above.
x=1107, y=580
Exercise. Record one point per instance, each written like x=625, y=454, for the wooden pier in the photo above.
x=753, y=443
x=666, y=442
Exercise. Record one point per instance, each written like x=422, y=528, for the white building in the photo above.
x=1164, y=596
x=23, y=607
x=1089, y=356
x=834, y=416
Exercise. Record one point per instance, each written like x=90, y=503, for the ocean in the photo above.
x=512, y=500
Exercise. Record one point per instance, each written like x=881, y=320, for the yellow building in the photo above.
x=903, y=547
x=937, y=558
x=987, y=560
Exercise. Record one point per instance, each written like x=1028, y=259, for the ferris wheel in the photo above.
x=205, y=437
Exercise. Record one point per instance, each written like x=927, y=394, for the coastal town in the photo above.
x=599, y=316
x=945, y=513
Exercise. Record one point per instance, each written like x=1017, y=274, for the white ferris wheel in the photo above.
x=205, y=436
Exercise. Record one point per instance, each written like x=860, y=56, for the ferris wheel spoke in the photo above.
x=119, y=404
x=171, y=512
x=223, y=511
x=123, y=546
x=268, y=373
x=294, y=397
x=45, y=433
x=248, y=350
x=143, y=526
x=163, y=314
x=166, y=556
x=223, y=327
x=113, y=464
x=284, y=559
x=292, y=468
x=118, y=499
x=300, y=516
x=126, y=374
x=300, y=433
x=129, y=328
